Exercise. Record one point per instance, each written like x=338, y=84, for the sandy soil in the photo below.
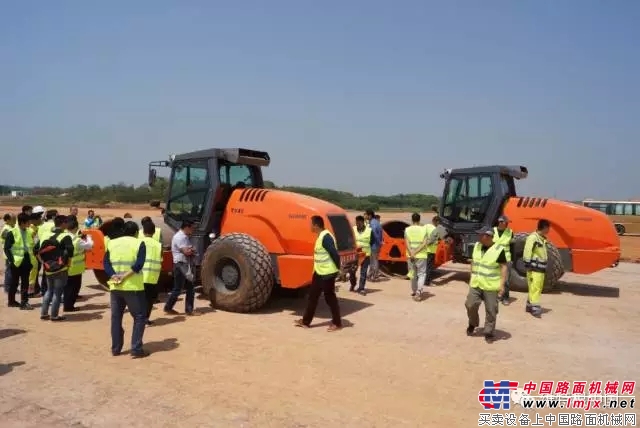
x=398, y=364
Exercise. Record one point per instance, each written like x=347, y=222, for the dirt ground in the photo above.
x=398, y=363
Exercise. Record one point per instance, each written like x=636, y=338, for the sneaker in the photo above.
x=44, y=317
x=470, y=330
x=150, y=323
x=141, y=354
x=489, y=338
x=505, y=302
x=418, y=296
x=58, y=318
x=362, y=292
x=26, y=307
x=14, y=304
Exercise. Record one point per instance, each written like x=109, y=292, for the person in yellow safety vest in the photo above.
x=326, y=267
x=535, y=261
x=503, y=235
x=55, y=267
x=36, y=222
x=488, y=274
x=152, y=266
x=157, y=235
x=415, y=237
x=44, y=232
x=114, y=231
x=434, y=233
x=9, y=222
x=123, y=263
x=81, y=244
x=363, y=241
x=18, y=247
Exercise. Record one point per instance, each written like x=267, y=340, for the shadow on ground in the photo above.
x=83, y=316
x=93, y=307
x=297, y=305
x=498, y=335
x=158, y=322
x=85, y=297
x=587, y=290
x=8, y=368
x=8, y=332
x=165, y=345
x=97, y=287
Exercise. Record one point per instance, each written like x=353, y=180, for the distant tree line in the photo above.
x=128, y=194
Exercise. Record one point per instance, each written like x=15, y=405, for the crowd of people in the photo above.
x=44, y=257
x=37, y=241
x=490, y=266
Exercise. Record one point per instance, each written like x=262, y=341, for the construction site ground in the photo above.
x=398, y=363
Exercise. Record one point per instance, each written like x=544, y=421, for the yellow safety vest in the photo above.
x=45, y=230
x=123, y=253
x=17, y=250
x=77, y=266
x=504, y=240
x=432, y=248
x=157, y=235
x=485, y=270
x=59, y=238
x=5, y=227
x=153, y=261
x=535, y=252
x=363, y=240
x=415, y=234
x=322, y=263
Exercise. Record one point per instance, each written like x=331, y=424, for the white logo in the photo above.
x=517, y=395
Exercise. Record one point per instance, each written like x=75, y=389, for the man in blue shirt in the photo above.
x=376, y=243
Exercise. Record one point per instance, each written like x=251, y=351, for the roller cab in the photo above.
x=248, y=239
x=581, y=240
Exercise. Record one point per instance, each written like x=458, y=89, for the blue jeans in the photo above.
x=53, y=296
x=7, y=276
x=179, y=281
x=137, y=304
x=364, y=268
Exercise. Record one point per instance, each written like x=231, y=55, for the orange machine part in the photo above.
x=589, y=234
x=281, y=221
x=94, y=258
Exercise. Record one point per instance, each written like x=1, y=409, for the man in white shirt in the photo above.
x=183, y=269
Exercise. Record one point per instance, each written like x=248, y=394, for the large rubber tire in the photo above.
x=237, y=274
x=517, y=275
x=620, y=229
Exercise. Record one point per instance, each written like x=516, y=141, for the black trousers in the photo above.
x=326, y=285
x=151, y=293
x=71, y=291
x=431, y=258
x=20, y=276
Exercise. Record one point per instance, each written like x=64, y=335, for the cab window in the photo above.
x=190, y=184
x=236, y=176
x=467, y=199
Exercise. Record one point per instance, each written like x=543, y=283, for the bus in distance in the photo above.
x=625, y=215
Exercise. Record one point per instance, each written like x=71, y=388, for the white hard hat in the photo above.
x=39, y=209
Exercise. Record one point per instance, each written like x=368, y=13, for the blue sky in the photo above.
x=364, y=96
